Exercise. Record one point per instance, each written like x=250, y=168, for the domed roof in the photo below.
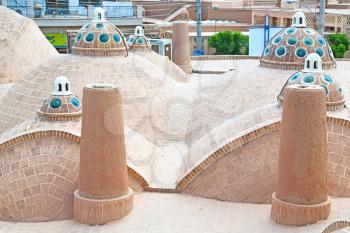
x=62, y=104
x=22, y=45
x=139, y=42
x=289, y=48
x=99, y=38
x=312, y=74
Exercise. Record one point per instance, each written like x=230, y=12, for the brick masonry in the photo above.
x=247, y=172
x=38, y=179
x=38, y=175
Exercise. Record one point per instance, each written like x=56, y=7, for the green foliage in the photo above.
x=338, y=50
x=339, y=44
x=229, y=42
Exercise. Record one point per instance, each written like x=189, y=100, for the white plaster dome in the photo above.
x=312, y=74
x=99, y=38
x=289, y=48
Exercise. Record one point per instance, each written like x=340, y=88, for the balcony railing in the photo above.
x=80, y=12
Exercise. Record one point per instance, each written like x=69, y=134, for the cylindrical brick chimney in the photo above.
x=181, y=46
x=301, y=193
x=103, y=193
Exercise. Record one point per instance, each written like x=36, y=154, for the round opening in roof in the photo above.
x=300, y=52
x=308, y=41
x=309, y=31
x=79, y=36
x=308, y=79
x=266, y=51
x=328, y=79
x=104, y=38
x=291, y=30
x=321, y=40
x=99, y=25
x=55, y=103
x=75, y=102
x=116, y=38
x=295, y=77
x=319, y=51
x=89, y=37
x=292, y=41
x=281, y=51
x=277, y=40
x=139, y=40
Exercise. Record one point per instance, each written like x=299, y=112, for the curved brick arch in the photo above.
x=39, y=173
x=138, y=180
x=224, y=150
x=244, y=169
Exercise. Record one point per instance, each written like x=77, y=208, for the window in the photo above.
x=90, y=2
x=315, y=65
x=67, y=86
x=59, y=87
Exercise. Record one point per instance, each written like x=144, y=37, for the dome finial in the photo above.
x=313, y=63
x=99, y=15
x=61, y=86
x=299, y=19
x=139, y=31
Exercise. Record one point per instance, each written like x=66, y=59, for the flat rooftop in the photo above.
x=170, y=213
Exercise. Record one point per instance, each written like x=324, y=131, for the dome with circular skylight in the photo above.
x=289, y=48
x=62, y=104
x=312, y=74
x=99, y=38
x=139, y=42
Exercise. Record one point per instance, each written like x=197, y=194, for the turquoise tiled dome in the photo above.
x=289, y=48
x=99, y=38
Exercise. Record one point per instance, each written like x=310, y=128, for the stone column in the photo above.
x=181, y=46
x=301, y=193
x=103, y=193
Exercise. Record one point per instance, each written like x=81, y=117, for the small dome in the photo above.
x=139, y=42
x=62, y=105
x=299, y=19
x=139, y=31
x=99, y=15
x=313, y=74
x=99, y=38
x=61, y=86
x=289, y=48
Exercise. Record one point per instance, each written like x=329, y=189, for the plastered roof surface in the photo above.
x=23, y=46
x=179, y=125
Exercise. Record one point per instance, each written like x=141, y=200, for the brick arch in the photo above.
x=138, y=181
x=244, y=169
x=224, y=150
x=39, y=173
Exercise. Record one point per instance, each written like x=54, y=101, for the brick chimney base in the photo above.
x=287, y=213
x=100, y=211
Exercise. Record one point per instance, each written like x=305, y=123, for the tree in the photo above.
x=338, y=50
x=339, y=44
x=229, y=42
